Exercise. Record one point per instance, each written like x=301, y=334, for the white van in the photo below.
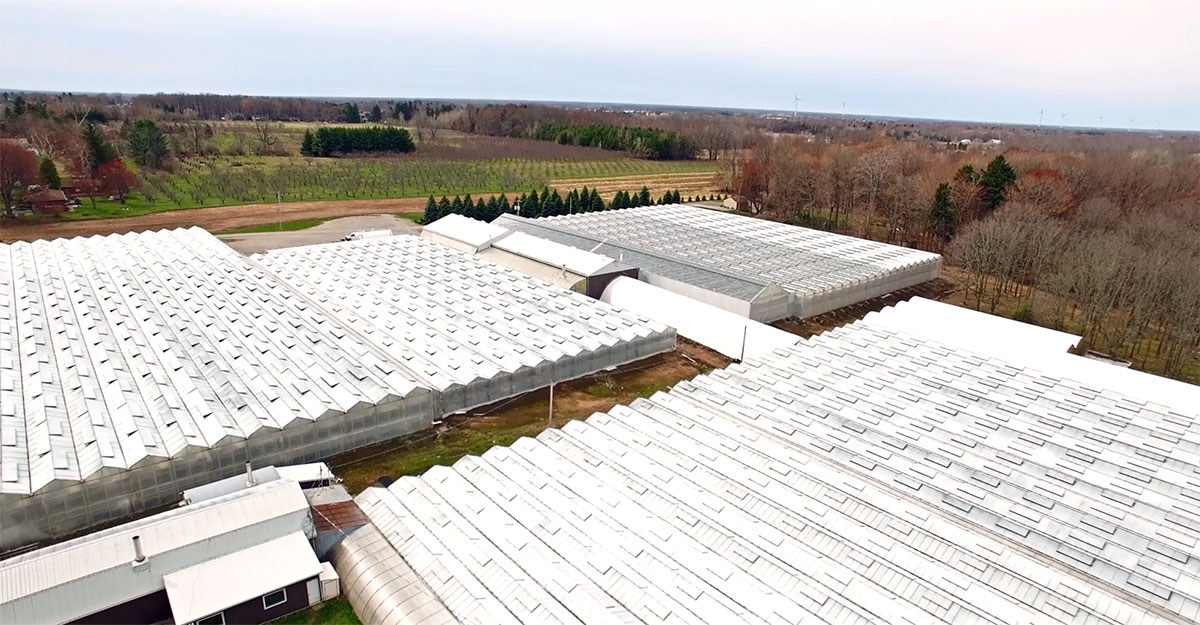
x=367, y=234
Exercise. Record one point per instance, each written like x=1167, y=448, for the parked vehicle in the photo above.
x=367, y=234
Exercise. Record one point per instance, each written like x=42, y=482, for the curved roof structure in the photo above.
x=865, y=475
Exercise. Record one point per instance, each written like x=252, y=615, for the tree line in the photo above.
x=644, y=142
x=549, y=203
x=337, y=140
x=1100, y=241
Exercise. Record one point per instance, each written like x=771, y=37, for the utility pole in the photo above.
x=279, y=212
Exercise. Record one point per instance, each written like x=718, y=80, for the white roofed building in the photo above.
x=137, y=366
x=185, y=564
x=756, y=268
x=562, y=265
x=869, y=474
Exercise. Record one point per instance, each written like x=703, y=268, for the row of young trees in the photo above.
x=645, y=142
x=549, y=203
x=336, y=141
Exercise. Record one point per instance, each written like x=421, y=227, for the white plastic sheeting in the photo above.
x=74, y=579
x=463, y=233
x=381, y=586
x=865, y=475
x=730, y=334
x=1028, y=345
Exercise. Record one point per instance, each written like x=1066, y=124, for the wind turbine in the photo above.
x=1061, y=120
x=1040, y=113
x=843, y=110
x=796, y=105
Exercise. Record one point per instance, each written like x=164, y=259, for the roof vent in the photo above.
x=138, y=555
x=249, y=475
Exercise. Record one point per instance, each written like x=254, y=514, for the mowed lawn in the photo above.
x=226, y=181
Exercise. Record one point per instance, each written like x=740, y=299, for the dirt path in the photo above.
x=215, y=218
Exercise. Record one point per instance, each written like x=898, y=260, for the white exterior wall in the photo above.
x=726, y=332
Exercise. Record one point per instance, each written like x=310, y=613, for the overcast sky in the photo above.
x=983, y=60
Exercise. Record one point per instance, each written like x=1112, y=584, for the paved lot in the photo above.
x=327, y=232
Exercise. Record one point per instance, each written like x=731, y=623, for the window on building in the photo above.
x=279, y=597
x=216, y=619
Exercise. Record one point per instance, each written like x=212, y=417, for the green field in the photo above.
x=225, y=181
x=287, y=226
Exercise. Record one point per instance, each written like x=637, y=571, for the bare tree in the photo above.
x=264, y=134
x=876, y=171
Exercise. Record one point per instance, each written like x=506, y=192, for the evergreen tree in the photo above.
x=349, y=113
x=431, y=212
x=941, y=215
x=995, y=180
x=376, y=115
x=555, y=206
x=147, y=144
x=444, y=207
x=307, y=145
x=644, y=197
x=492, y=210
x=533, y=206
x=99, y=150
x=966, y=173
x=456, y=206
x=481, y=210
x=597, y=202
x=503, y=205
x=49, y=173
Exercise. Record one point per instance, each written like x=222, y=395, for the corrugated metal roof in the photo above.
x=864, y=475
x=221, y=583
x=79, y=577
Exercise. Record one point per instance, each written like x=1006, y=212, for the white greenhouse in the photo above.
x=133, y=367
x=757, y=268
x=865, y=475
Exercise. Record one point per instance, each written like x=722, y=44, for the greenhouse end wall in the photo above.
x=60, y=511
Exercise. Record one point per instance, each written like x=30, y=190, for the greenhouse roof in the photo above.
x=449, y=317
x=759, y=250
x=866, y=475
x=714, y=279
x=119, y=348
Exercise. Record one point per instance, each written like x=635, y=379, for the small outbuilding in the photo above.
x=46, y=201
